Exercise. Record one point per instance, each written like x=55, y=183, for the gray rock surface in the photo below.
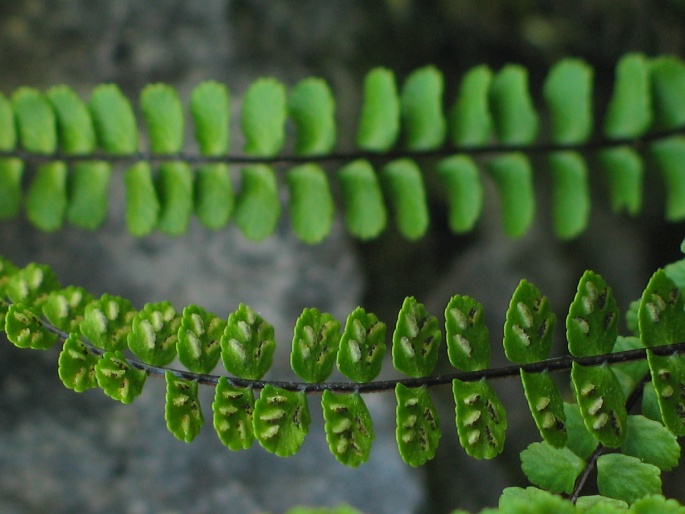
x=63, y=452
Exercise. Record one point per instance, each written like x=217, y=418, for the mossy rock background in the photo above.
x=60, y=451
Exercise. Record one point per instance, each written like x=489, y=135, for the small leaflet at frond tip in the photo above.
x=247, y=344
x=281, y=420
x=233, y=409
x=416, y=340
x=362, y=346
x=316, y=338
x=349, y=427
x=418, y=426
x=182, y=410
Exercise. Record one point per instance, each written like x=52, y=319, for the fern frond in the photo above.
x=97, y=334
x=75, y=145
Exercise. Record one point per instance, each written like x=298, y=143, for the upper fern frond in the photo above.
x=76, y=143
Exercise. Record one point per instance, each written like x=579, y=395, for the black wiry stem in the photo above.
x=554, y=364
x=196, y=159
x=601, y=449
